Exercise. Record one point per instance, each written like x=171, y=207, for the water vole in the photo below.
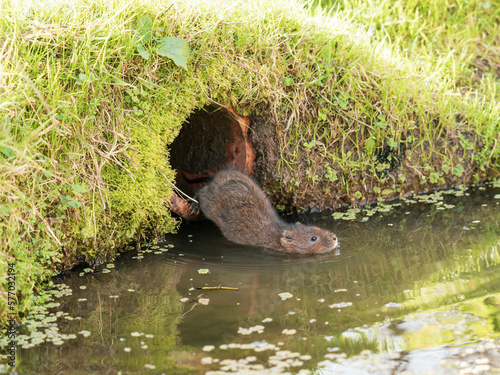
x=243, y=212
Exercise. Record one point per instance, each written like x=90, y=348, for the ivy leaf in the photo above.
x=176, y=49
x=143, y=52
x=144, y=27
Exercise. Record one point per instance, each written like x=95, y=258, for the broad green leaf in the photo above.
x=74, y=204
x=82, y=78
x=288, y=81
x=387, y=192
x=79, y=189
x=143, y=52
x=6, y=151
x=370, y=144
x=144, y=27
x=392, y=143
x=176, y=49
x=458, y=170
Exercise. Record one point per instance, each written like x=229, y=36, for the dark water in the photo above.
x=411, y=288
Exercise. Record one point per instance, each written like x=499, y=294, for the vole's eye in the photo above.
x=288, y=237
x=313, y=238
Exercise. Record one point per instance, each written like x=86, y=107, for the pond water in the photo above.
x=414, y=287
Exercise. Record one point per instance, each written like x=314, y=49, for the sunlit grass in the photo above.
x=459, y=37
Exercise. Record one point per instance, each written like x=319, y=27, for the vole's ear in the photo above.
x=299, y=224
x=286, y=237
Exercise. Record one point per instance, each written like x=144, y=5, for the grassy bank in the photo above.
x=419, y=115
x=460, y=39
x=91, y=95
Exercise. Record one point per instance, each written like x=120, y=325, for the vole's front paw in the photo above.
x=194, y=208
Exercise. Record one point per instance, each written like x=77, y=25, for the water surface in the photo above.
x=413, y=287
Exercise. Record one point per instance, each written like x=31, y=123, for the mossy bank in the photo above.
x=89, y=103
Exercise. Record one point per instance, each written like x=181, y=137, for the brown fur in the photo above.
x=245, y=215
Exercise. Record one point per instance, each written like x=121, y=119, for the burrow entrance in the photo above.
x=212, y=138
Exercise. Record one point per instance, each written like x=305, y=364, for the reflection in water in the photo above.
x=405, y=282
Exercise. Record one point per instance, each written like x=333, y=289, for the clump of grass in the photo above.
x=89, y=102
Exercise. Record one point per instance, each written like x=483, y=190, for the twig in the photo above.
x=179, y=191
x=219, y=287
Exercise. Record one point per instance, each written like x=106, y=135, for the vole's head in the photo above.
x=302, y=239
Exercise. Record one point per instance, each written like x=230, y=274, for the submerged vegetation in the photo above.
x=92, y=93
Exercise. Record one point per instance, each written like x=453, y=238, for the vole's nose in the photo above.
x=334, y=241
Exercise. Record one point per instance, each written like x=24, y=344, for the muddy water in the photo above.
x=412, y=287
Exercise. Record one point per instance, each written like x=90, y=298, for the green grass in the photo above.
x=422, y=98
x=86, y=120
x=458, y=39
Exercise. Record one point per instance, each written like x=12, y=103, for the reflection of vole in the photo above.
x=242, y=211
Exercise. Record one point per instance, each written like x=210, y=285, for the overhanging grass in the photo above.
x=86, y=121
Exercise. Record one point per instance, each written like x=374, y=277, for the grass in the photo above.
x=417, y=100
x=360, y=113
x=458, y=38
x=454, y=46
